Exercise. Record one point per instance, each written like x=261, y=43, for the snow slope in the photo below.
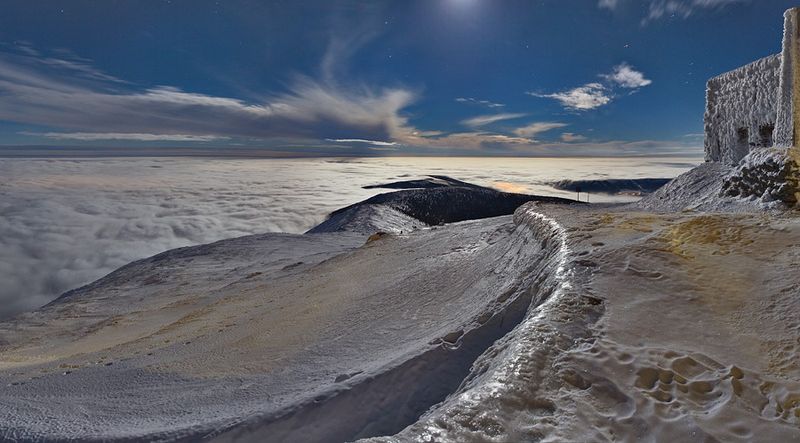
x=259, y=335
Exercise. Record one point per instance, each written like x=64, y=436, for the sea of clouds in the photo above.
x=67, y=222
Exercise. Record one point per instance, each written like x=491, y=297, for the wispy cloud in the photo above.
x=532, y=130
x=657, y=9
x=61, y=61
x=569, y=137
x=582, y=98
x=608, y=4
x=466, y=141
x=594, y=95
x=612, y=148
x=483, y=120
x=71, y=95
x=625, y=76
x=358, y=140
x=475, y=101
x=92, y=136
x=681, y=8
x=520, y=139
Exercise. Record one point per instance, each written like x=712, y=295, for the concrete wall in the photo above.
x=741, y=110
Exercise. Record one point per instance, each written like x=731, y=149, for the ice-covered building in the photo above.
x=757, y=105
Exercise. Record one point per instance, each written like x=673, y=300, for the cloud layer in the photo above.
x=67, y=222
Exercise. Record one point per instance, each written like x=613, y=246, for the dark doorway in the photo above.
x=765, y=135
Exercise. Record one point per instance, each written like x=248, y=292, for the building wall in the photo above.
x=741, y=110
x=789, y=93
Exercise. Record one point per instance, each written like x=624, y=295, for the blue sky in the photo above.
x=433, y=77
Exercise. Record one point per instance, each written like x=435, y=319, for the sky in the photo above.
x=411, y=77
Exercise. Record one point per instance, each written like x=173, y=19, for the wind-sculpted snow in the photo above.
x=504, y=381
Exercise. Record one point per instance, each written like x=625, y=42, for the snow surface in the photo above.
x=251, y=335
x=699, y=190
x=672, y=319
x=656, y=327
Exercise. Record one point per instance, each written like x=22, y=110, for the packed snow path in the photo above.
x=671, y=327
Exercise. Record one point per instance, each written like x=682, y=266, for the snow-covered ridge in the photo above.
x=431, y=181
x=316, y=323
x=540, y=243
x=613, y=186
x=406, y=210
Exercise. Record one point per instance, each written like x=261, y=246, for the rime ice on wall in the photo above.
x=757, y=105
x=785, y=123
x=741, y=108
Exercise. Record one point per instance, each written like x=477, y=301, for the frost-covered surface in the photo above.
x=369, y=219
x=766, y=174
x=755, y=106
x=787, y=100
x=741, y=110
x=699, y=190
